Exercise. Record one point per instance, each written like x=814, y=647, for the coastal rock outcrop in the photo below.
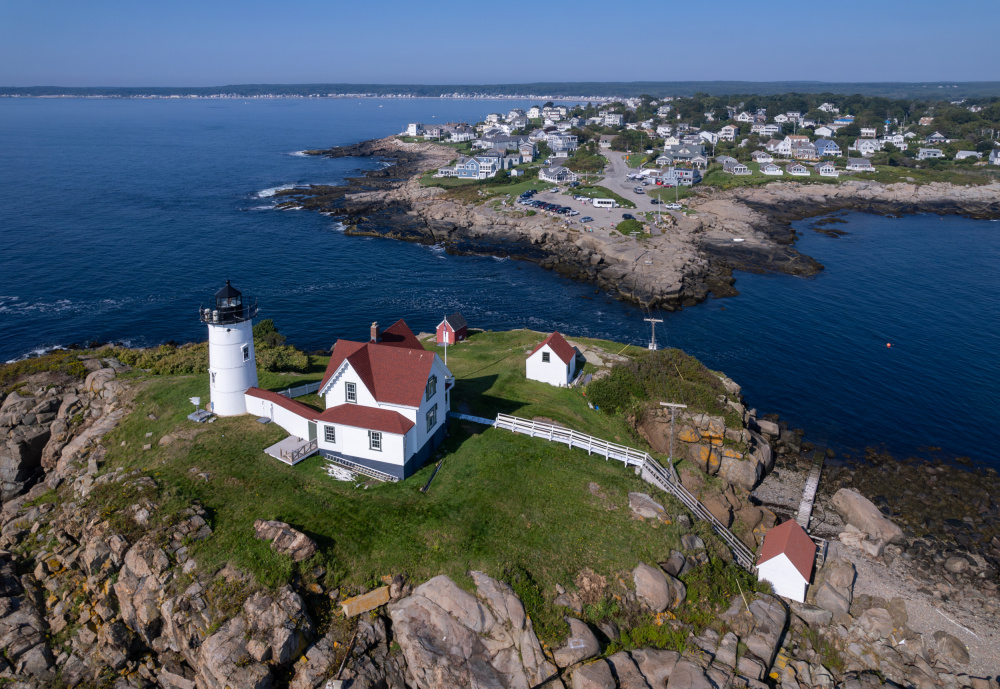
x=859, y=511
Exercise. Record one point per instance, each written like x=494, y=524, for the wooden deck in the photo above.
x=292, y=450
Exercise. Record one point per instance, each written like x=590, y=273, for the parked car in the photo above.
x=574, y=185
x=674, y=206
x=639, y=190
x=628, y=216
x=655, y=201
x=586, y=218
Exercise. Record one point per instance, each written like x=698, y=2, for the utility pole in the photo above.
x=673, y=408
x=652, y=336
x=635, y=249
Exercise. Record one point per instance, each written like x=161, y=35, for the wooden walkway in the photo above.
x=648, y=468
x=809, y=492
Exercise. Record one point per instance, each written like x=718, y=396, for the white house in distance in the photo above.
x=553, y=361
x=387, y=404
x=786, y=560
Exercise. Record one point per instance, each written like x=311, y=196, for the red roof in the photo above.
x=303, y=410
x=791, y=540
x=559, y=345
x=395, y=370
x=357, y=416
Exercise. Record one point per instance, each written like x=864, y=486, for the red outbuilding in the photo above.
x=452, y=329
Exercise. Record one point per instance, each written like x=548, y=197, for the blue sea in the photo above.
x=118, y=218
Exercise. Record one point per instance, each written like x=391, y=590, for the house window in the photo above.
x=432, y=386
x=351, y=392
x=375, y=440
x=330, y=434
x=246, y=352
x=432, y=417
x=545, y=357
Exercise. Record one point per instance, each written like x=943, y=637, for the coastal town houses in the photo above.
x=867, y=147
x=963, y=155
x=462, y=133
x=826, y=169
x=557, y=175
x=414, y=129
x=936, y=138
x=860, y=165
x=553, y=361
x=786, y=560
x=824, y=130
x=827, y=147
x=762, y=157
x=770, y=169
x=386, y=399
x=797, y=169
x=563, y=145
x=869, y=132
x=995, y=156
x=928, y=153
x=733, y=166
x=804, y=151
x=728, y=133
x=452, y=330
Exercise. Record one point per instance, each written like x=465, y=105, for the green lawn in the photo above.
x=499, y=499
x=599, y=192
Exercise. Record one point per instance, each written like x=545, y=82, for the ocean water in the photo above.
x=118, y=218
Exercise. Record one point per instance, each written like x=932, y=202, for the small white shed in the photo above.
x=786, y=560
x=552, y=362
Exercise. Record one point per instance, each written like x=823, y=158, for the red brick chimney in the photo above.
x=376, y=332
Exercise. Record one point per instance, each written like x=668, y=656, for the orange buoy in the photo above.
x=888, y=344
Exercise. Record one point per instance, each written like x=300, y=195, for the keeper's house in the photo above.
x=553, y=361
x=387, y=404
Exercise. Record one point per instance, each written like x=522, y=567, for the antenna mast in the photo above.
x=652, y=336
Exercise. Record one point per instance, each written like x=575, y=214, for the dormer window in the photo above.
x=431, y=389
x=351, y=392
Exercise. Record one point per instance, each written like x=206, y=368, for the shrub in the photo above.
x=617, y=392
x=661, y=375
x=628, y=226
x=61, y=361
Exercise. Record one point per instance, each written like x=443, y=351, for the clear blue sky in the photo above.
x=215, y=42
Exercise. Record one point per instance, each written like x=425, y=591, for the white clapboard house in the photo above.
x=553, y=361
x=386, y=399
x=786, y=560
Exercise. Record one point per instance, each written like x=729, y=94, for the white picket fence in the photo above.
x=649, y=469
x=306, y=389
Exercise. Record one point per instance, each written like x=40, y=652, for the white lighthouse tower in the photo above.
x=232, y=363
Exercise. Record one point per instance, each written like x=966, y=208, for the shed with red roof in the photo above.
x=786, y=560
x=553, y=361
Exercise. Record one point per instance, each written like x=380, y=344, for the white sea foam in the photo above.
x=299, y=154
x=271, y=191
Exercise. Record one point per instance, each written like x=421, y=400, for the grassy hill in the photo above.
x=499, y=499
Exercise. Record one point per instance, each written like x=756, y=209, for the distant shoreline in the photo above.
x=695, y=259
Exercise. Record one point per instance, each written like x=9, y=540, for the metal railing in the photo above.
x=362, y=469
x=650, y=470
x=229, y=314
x=300, y=390
x=298, y=454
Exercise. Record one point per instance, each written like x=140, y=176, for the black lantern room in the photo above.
x=229, y=307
